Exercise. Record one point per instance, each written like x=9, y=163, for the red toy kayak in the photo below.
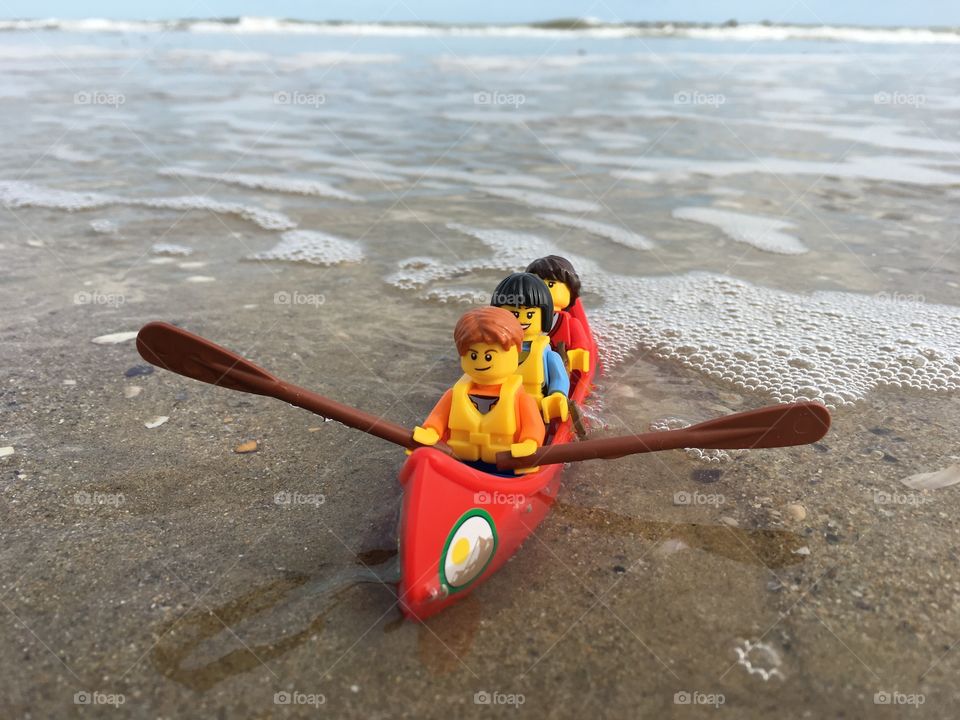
x=459, y=525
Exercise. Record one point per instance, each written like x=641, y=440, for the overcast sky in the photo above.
x=834, y=12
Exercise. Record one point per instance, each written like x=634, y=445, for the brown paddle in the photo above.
x=766, y=427
x=184, y=353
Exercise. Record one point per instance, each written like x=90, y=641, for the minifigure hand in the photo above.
x=553, y=406
x=425, y=436
x=522, y=449
x=579, y=359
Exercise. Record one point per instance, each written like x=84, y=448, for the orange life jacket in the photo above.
x=478, y=436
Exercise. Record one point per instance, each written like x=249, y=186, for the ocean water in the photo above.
x=758, y=215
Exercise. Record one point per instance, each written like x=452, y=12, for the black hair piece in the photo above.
x=528, y=290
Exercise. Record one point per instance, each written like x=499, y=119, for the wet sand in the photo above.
x=156, y=563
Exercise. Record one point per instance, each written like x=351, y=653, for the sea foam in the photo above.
x=830, y=347
x=312, y=247
x=542, y=200
x=272, y=183
x=619, y=235
x=19, y=194
x=761, y=232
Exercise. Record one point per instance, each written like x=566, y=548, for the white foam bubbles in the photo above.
x=167, y=248
x=543, y=200
x=893, y=169
x=19, y=194
x=762, y=233
x=831, y=347
x=312, y=247
x=619, y=235
x=272, y=183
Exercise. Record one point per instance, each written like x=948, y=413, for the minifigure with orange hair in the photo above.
x=487, y=411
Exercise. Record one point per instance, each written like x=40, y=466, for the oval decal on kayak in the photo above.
x=470, y=547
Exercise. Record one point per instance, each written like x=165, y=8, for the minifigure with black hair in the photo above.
x=542, y=368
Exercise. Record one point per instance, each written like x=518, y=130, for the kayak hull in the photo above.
x=460, y=525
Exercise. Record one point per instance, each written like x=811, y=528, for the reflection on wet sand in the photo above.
x=770, y=548
x=182, y=637
x=443, y=639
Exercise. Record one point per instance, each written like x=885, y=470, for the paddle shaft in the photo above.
x=773, y=426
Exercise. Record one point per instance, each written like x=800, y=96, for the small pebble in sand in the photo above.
x=69, y=383
x=6, y=451
x=156, y=422
x=314, y=429
x=246, y=447
x=138, y=370
x=114, y=338
x=802, y=551
x=796, y=512
x=131, y=391
x=200, y=279
x=732, y=522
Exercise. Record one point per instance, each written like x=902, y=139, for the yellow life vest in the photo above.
x=532, y=370
x=475, y=436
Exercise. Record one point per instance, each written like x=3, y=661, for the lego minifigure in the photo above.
x=542, y=369
x=487, y=411
x=564, y=285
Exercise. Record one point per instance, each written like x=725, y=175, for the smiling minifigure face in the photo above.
x=489, y=364
x=531, y=319
x=560, y=294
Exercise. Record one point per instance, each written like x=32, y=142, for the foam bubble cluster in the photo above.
x=620, y=236
x=312, y=247
x=762, y=232
x=829, y=347
x=542, y=200
x=704, y=455
x=271, y=183
x=18, y=194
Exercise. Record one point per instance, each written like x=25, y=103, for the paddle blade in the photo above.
x=767, y=427
x=184, y=353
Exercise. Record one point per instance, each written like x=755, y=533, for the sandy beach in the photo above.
x=756, y=219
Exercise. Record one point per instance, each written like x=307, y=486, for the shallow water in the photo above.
x=753, y=222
